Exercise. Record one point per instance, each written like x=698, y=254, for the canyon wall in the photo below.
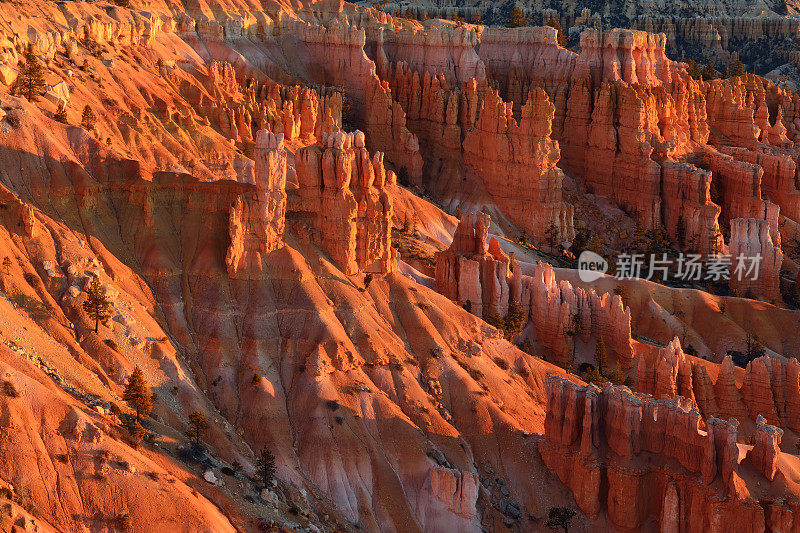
x=621, y=111
x=613, y=434
x=239, y=110
x=482, y=154
x=341, y=205
x=755, y=260
x=256, y=228
x=769, y=386
x=477, y=275
x=480, y=273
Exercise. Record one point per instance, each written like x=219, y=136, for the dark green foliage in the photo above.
x=87, y=118
x=137, y=395
x=197, y=426
x=31, y=76
x=581, y=241
x=551, y=234
x=617, y=377
x=601, y=355
x=514, y=320
x=709, y=73
x=265, y=467
x=560, y=517
x=61, y=114
x=97, y=306
x=694, y=69
x=135, y=430
x=736, y=69
x=516, y=18
x=755, y=347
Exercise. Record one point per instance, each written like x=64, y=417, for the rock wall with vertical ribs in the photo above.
x=516, y=163
x=621, y=111
x=755, y=260
x=507, y=162
x=686, y=192
x=618, y=436
x=769, y=387
x=476, y=274
x=256, y=228
x=338, y=51
x=341, y=205
x=479, y=272
x=552, y=305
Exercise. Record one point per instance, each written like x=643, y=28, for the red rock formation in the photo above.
x=256, y=228
x=730, y=111
x=757, y=391
x=437, y=47
x=516, y=164
x=338, y=53
x=779, y=180
x=300, y=113
x=469, y=271
x=755, y=261
x=634, y=57
x=766, y=449
x=770, y=387
x=792, y=395
x=341, y=205
x=686, y=193
x=613, y=434
x=552, y=306
x=510, y=164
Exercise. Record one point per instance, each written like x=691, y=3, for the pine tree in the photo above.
x=617, y=377
x=515, y=319
x=197, y=426
x=680, y=231
x=708, y=72
x=575, y=328
x=601, y=355
x=97, y=305
x=517, y=19
x=551, y=234
x=135, y=430
x=61, y=114
x=31, y=76
x=737, y=68
x=87, y=118
x=755, y=347
x=137, y=395
x=265, y=466
x=693, y=69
